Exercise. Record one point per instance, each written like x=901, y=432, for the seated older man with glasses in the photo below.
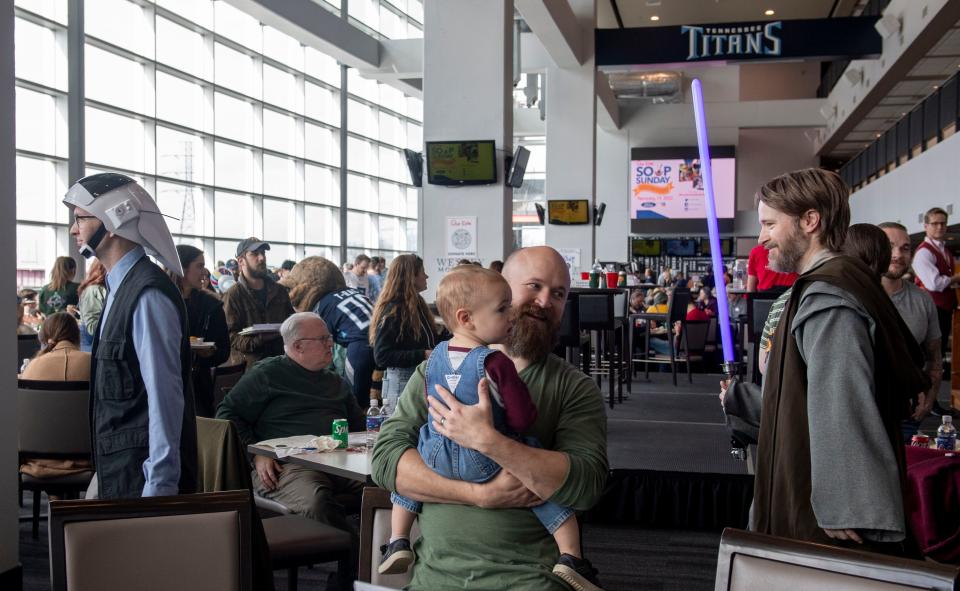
x=295, y=394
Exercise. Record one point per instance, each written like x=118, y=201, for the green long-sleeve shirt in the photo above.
x=504, y=548
x=278, y=398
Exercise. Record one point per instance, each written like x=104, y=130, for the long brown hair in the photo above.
x=871, y=245
x=400, y=301
x=96, y=275
x=187, y=254
x=57, y=328
x=63, y=271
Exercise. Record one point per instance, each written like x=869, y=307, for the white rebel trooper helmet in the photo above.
x=126, y=210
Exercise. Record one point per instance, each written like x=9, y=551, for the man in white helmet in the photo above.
x=143, y=426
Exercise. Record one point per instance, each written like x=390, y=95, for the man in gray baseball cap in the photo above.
x=255, y=299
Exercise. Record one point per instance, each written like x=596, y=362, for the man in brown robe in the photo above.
x=830, y=465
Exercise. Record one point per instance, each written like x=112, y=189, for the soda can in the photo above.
x=341, y=432
x=920, y=440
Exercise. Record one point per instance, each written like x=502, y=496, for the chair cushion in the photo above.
x=80, y=480
x=295, y=540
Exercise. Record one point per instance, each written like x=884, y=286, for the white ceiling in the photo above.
x=939, y=64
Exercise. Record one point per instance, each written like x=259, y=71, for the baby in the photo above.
x=475, y=305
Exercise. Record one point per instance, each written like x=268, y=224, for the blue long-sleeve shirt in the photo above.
x=157, y=334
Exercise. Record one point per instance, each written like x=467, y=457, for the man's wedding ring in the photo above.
x=443, y=420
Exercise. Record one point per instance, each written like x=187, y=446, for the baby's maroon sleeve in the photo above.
x=517, y=404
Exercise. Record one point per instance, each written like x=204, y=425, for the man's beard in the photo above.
x=257, y=272
x=789, y=253
x=534, y=334
x=896, y=274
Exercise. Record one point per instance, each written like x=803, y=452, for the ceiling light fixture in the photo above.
x=769, y=12
x=654, y=18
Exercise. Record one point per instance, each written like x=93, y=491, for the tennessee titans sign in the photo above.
x=848, y=38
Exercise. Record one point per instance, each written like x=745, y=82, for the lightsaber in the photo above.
x=706, y=173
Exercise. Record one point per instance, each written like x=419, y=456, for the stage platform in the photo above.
x=670, y=461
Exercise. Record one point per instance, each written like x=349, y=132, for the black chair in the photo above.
x=53, y=422
x=188, y=543
x=27, y=346
x=571, y=339
x=676, y=313
x=694, y=339
x=225, y=377
x=598, y=316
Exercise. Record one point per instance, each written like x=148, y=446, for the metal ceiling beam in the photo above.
x=307, y=22
x=558, y=28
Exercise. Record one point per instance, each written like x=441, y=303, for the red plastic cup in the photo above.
x=612, y=277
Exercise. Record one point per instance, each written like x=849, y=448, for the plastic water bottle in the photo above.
x=947, y=434
x=385, y=411
x=374, y=420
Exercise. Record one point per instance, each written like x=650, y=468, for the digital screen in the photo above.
x=673, y=189
x=726, y=247
x=568, y=211
x=645, y=248
x=680, y=247
x=461, y=163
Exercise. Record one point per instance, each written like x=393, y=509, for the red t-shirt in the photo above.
x=757, y=266
x=697, y=315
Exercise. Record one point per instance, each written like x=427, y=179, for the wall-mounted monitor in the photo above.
x=461, y=163
x=518, y=166
x=645, y=247
x=568, y=212
x=667, y=183
x=415, y=166
x=726, y=247
x=680, y=247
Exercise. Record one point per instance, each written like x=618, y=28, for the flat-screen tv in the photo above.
x=461, y=163
x=568, y=212
x=415, y=166
x=680, y=247
x=517, y=167
x=645, y=247
x=726, y=247
x=667, y=183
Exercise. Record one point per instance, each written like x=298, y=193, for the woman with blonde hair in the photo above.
x=402, y=330
x=93, y=293
x=60, y=295
x=59, y=357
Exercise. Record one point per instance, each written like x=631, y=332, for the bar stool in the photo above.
x=598, y=316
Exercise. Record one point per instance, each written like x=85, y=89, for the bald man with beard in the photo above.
x=464, y=539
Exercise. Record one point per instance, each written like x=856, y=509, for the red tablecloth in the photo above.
x=933, y=502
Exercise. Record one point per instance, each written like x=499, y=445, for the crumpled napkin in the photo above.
x=300, y=444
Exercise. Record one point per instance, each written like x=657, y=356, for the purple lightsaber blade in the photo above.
x=707, y=173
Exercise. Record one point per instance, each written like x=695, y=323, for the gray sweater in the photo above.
x=855, y=479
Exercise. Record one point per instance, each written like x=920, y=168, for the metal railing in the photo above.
x=909, y=136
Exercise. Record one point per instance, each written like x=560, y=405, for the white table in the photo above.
x=353, y=464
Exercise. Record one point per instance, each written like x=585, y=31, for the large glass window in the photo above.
x=232, y=125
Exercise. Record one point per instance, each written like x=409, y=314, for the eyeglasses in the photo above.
x=77, y=219
x=323, y=339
